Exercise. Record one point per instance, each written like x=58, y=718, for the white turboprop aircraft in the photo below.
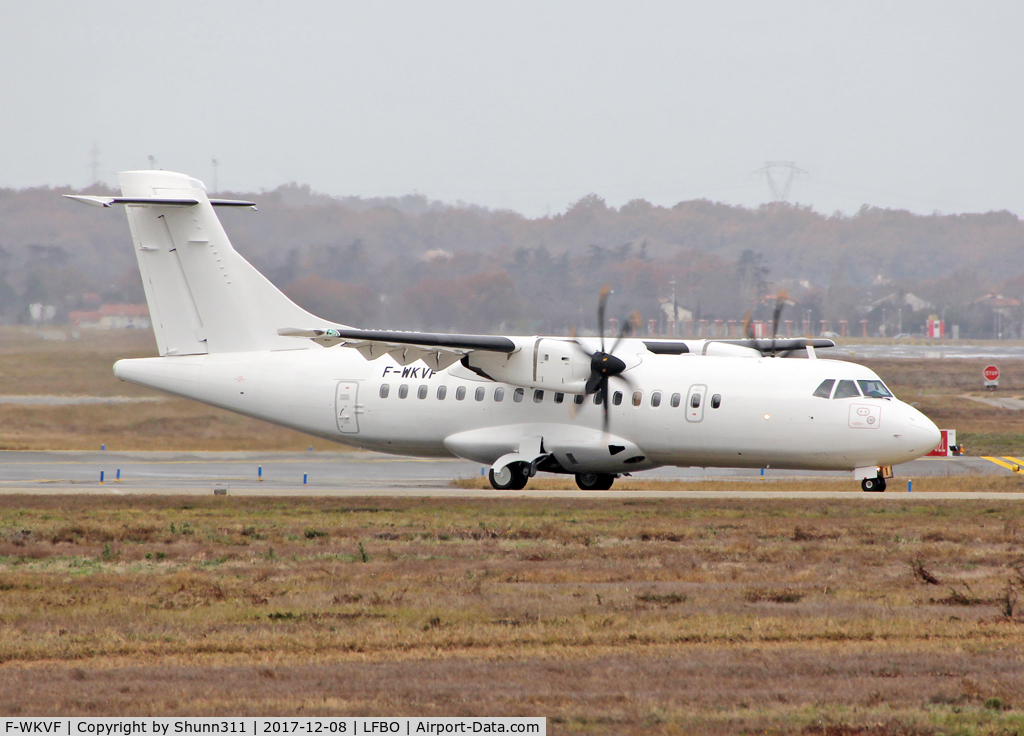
x=230, y=338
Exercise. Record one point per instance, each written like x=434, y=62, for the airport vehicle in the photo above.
x=520, y=404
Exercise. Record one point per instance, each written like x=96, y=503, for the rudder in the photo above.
x=203, y=296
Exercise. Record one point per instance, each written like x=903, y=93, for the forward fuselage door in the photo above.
x=346, y=407
x=695, y=398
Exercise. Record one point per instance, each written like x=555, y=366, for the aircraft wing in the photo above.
x=778, y=345
x=763, y=345
x=438, y=351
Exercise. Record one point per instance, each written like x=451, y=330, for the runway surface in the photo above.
x=900, y=351
x=366, y=473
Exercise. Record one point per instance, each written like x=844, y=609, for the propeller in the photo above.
x=604, y=365
x=780, y=304
x=748, y=326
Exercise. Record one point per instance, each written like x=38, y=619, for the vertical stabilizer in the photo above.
x=203, y=296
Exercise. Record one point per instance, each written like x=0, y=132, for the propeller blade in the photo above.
x=606, y=420
x=780, y=303
x=629, y=384
x=626, y=331
x=748, y=326
x=606, y=289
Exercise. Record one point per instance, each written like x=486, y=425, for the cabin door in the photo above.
x=346, y=408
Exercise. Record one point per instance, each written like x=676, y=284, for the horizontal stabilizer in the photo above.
x=154, y=201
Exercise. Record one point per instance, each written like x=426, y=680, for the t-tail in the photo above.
x=203, y=296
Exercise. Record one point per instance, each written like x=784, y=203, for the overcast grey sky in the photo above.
x=527, y=105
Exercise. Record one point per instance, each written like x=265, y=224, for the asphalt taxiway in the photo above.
x=366, y=473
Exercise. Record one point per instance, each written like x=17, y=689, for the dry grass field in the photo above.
x=606, y=616
x=859, y=616
x=84, y=367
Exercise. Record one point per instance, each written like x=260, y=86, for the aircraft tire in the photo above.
x=512, y=479
x=594, y=481
x=873, y=485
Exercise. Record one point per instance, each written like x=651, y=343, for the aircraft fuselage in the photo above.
x=751, y=412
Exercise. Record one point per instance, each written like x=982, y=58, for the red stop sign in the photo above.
x=991, y=373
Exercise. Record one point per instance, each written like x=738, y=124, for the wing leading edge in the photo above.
x=438, y=351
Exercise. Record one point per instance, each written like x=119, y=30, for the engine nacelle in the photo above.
x=548, y=363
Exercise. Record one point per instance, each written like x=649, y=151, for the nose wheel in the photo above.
x=873, y=485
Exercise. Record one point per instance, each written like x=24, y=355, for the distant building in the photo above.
x=113, y=317
x=682, y=314
x=913, y=301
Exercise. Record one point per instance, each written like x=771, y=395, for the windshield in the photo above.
x=874, y=389
x=846, y=390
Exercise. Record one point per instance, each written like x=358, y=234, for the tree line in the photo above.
x=413, y=263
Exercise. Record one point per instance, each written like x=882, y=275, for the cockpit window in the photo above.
x=825, y=389
x=874, y=389
x=846, y=390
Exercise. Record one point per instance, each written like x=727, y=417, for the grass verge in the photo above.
x=607, y=616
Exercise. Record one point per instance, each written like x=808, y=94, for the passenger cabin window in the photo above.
x=578, y=399
x=517, y=395
x=638, y=397
x=479, y=393
x=599, y=398
x=538, y=396
x=442, y=391
x=460, y=393
x=695, y=401
x=825, y=389
x=421, y=392
x=874, y=389
x=499, y=394
x=559, y=397
x=846, y=390
x=676, y=398
x=656, y=399
x=617, y=398
x=716, y=401
x=403, y=390
x=385, y=389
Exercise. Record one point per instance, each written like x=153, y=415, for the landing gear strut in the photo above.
x=510, y=478
x=873, y=485
x=594, y=481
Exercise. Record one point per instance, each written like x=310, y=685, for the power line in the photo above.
x=780, y=176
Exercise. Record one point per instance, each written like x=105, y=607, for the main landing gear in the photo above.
x=515, y=476
x=510, y=478
x=873, y=485
x=594, y=481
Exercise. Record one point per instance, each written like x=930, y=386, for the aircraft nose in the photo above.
x=921, y=432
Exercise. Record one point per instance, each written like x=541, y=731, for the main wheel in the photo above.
x=594, y=481
x=510, y=478
x=873, y=485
